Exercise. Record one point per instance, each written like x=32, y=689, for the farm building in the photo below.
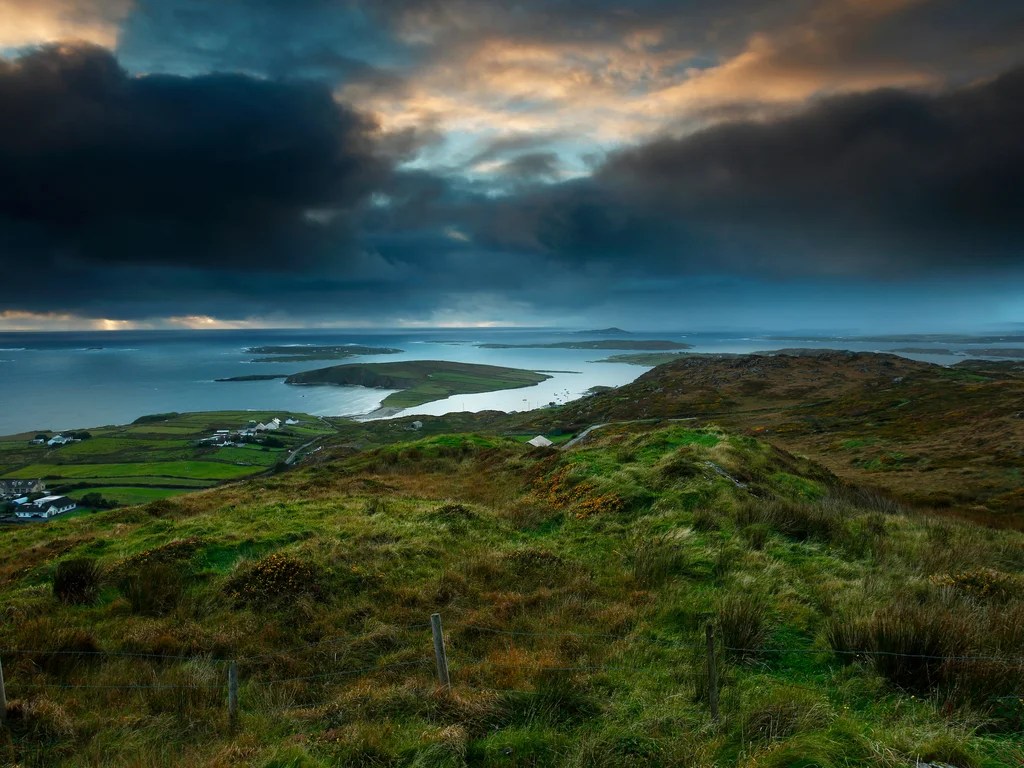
x=540, y=442
x=46, y=507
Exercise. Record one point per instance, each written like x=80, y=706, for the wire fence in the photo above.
x=698, y=663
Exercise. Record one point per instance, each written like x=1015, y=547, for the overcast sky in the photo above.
x=686, y=164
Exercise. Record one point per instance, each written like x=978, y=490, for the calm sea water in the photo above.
x=66, y=380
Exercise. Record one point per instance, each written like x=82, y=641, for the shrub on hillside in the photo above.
x=978, y=583
x=275, y=579
x=743, y=623
x=77, y=581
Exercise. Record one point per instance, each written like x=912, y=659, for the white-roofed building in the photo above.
x=48, y=506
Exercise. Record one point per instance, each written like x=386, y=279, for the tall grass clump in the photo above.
x=799, y=521
x=152, y=589
x=968, y=654
x=656, y=559
x=907, y=642
x=77, y=581
x=779, y=713
x=743, y=621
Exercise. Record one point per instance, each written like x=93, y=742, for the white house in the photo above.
x=58, y=440
x=46, y=507
x=290, y=422
x=540, y=442
x=273, y=424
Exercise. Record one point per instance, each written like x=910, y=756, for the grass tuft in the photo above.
x=77, y=581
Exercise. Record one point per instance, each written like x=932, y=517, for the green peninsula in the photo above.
x=420, y=381
x=297, y=354
x=639, y=344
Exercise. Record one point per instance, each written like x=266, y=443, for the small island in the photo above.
x=296, y=354
x=649, y=345
x=613, y=331
x=420, y=381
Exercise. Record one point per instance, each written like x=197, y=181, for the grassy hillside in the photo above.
x=941, y=439
x=421, y=381
x=575, y=587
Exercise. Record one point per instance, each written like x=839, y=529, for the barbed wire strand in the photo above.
x=1012, y=661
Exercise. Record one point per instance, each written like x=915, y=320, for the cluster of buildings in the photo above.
x=46, y=507
x=226, y=437
x=12, y=489
x=55, y=440
x=17, y=493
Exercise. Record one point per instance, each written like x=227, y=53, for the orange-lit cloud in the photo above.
x=31, y=22
x=15, y=320
x=617, y=91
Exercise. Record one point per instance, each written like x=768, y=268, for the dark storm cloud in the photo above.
x=216, y=171
x=888, y=183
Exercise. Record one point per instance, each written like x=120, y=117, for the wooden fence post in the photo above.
x=439, y=651
x=233, y=695
x=712, y=671
x=3, y=696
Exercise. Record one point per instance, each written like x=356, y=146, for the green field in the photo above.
x=128, y=495
x=156, y=456
x=198, y=470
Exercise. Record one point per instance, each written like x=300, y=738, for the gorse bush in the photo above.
x=77, y=581
x=978, y=583
x=273, y=580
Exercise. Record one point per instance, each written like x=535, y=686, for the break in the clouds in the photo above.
x=417, y=161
